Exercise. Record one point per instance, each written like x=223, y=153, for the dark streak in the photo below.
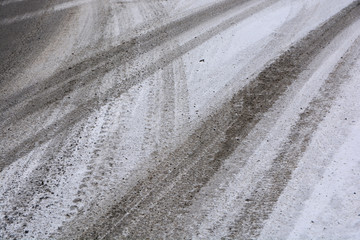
x=43, y=99
x=161, y=198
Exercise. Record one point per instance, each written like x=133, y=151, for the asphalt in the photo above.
x=167, y=119
x=22, y=41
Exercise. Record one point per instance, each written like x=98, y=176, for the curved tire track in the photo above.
x=164, y=195
x=272, y=184
x=43, y=98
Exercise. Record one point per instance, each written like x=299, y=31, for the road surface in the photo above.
x=232, y=119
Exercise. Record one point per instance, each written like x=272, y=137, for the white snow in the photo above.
x=322, y=199
x=333, y=209
x=319, y=202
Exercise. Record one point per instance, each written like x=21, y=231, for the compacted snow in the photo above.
x=234, y=119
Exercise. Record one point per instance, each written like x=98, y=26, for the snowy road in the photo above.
x=234, y=119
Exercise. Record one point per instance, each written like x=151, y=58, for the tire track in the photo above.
x=106, y=169
x=233, y=184
x=122, y=53
x=271, y=186
x=164, y=195
x=84, y=109
x=181, y=98
x=167, y=111
x=209, y=221
x=55, y=151
x=38, y=187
